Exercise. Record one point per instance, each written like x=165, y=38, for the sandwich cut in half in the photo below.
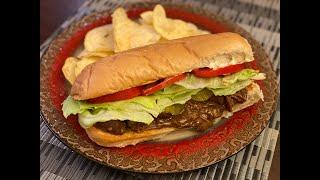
x=145, y=93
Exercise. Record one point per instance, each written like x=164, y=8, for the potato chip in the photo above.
x=144, y=36
x=146, y=18
x=99, y=39
x=82, y=53
x=129, y=34
x=173, y=28
x=68, y=69
x=88, y=57
x=82, y=64
x=94, y=54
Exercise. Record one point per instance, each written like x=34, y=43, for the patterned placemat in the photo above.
x=262, y=19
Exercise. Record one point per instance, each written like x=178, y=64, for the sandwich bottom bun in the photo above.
x=106, y=139
x=129, y=138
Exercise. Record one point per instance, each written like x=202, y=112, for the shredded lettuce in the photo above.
x=145, y=108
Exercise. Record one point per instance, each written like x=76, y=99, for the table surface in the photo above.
x=54, y=12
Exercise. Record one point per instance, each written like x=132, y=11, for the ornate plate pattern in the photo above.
x=226, y=140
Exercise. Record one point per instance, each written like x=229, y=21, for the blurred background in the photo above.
x=53, y=13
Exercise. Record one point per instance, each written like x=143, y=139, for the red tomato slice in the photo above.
x=121, y=95
x=207, y=72
x=166, y=82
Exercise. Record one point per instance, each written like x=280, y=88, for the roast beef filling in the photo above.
x=196, y=115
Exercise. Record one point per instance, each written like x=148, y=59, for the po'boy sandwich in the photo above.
x=145, y=93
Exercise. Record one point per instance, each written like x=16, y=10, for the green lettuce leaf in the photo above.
x=194, y=82
x=86, y=119
x=145, y=108
x=139, y=109
x=232, y=89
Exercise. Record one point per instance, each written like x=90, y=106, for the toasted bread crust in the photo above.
x=147, y=64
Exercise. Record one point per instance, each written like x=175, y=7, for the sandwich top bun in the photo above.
x=150, y=63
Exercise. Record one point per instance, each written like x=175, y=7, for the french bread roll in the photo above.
x=106, y=139
x=148, y=64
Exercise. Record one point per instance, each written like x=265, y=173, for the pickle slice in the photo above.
x=202, y=95
x=174, y=109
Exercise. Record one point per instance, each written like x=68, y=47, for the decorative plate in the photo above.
x=158, y=157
